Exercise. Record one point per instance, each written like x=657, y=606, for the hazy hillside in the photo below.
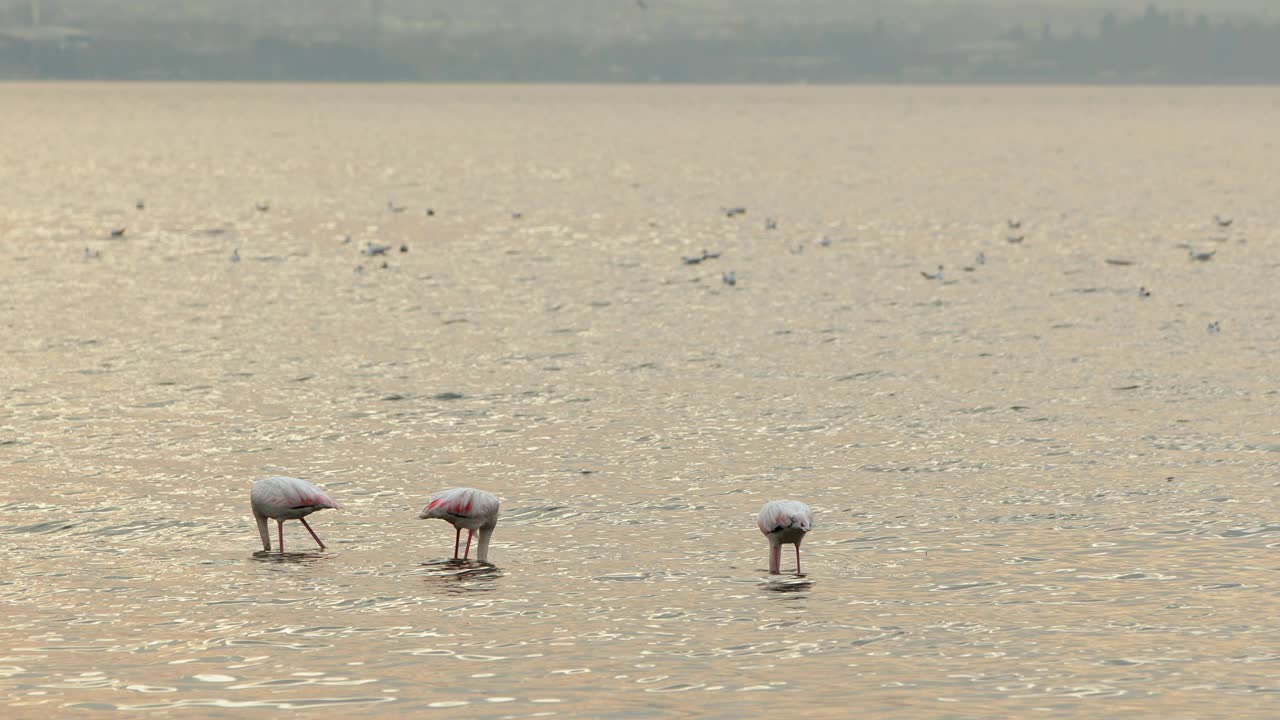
x=642, y=40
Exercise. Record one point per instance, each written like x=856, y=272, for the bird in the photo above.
x=284, y=498
x=1014, y=223
x=1214, y=327
x=825, y=241
x=770, y=224
x=783, y=522
x=1143, y=292
x=465, y=508
x=404, y=247
x=735, y=211
x=1202, y=256
x=1015, y=239
x=91, y=254
x=263, y=206
x=371, y=249
x=235, y=255
x=118, y=232
x=431, y=212
x=981, y=259
x=140, y=204
x=1223, y=222
x=394, y=207
x=932, y=276
x=729, y=278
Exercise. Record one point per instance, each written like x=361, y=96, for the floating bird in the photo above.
x=404, y=247
x=372, y=249
x=285, y=498
x=1014, y=223
x=1223, y=222
x=981, y=259
x=695, y=259
x=465, y=508
x=140, y=204
x=735, y=211
x=1143, y=292
x=262, y=206
x=394, y=207
x=517, y=215
x=730, y=278
x=932, y=276
x=235, y=255
x=1015, y=239
x=346, y=240
x=825, y=241
x=770, y=224
x=784, y=522
x=91, y=254
x=430, y=212
x=1214, y=327
x=118, y=232
x=1203, y=256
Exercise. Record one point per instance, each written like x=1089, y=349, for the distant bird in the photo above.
x=825, y=241
x=1014, y=223
x=118, y=232
x=465, y=508
x=934, y=275
x=371, y=249
x=346, y=239
x=1015, y=239
x=1223, y=222
x=784, y=522
x=1143, y=292
x=359, y=269
x=430, y=212
x=797, y=249
x=770, y=224
x=695, y=259
x=1214, y=327
x=404, y=247
x=394, y=207
x=91, y=254
x=735, y=211
x=284, y=498
x=235, y=255
x=981, y=259
x=729, y=278
x=140, y=204
x=262, y=206
x=1203, y=256
x=517, y=215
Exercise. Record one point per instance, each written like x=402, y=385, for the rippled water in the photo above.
x=1036, y=493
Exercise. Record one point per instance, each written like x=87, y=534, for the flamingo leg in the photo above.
x=775, y=558
x=280, y=524
x=798, y=559
x=321, y=544
x=457, y=535
x=470, y=534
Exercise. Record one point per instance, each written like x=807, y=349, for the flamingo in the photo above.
x=285, y=498
x=465, y=508
x=784, y=521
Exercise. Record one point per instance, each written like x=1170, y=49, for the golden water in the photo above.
x=1036, y=493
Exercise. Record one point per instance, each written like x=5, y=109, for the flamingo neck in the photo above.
x=262, y=530
x=482, y=548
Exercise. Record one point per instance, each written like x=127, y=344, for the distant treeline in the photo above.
x=1153, y=47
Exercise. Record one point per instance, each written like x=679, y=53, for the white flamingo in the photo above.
x=285, y=498
x=475, y=510
x=783, y=522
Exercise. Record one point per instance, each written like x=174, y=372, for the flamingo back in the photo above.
x=785, y=515
x=468, y=503
x=287, y=497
